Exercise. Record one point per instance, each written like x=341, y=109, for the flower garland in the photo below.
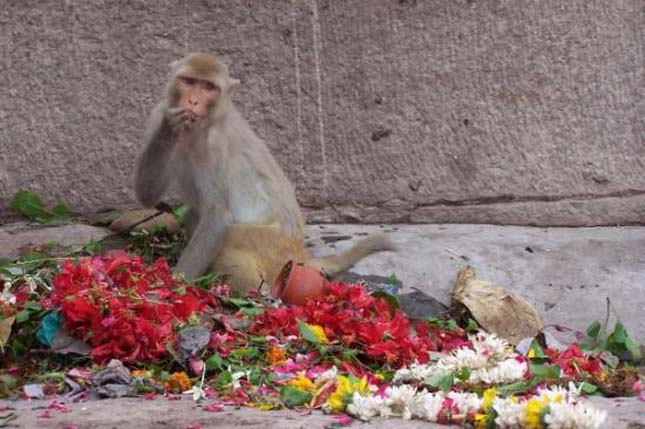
x=491, y=360
x=555, y=408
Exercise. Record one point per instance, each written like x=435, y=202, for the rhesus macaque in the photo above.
x=244, y=220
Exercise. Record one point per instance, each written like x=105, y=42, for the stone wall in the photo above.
x=520, y=112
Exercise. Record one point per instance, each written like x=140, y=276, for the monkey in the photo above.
x=243, y=220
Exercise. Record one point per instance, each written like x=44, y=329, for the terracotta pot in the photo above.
x=298, y=283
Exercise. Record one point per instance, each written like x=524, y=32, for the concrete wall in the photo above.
x=523, y=112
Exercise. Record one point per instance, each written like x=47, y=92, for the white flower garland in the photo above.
x=564, y=411
x=491, y=361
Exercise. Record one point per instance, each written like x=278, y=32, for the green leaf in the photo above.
x=464, y=374
x=241, y=302
x=632, y=348
x=249, y=352
x=518, y=387
x=257, y=339
x=307, y=333
x=180, y=212
x=223, y=379
x=393, y=280
x=542, y=372
x=538, y=353
x=214, y=362
x=255, y=378
x=443, y=382
x=594, y=329
x=293, y=397
x=588, y=388
x=252, y=311
x=60, y=211
x=619, y=335
x=32, y=305
x=472, y=325
x=206, y=281
x=29, y=204
x=22, y=316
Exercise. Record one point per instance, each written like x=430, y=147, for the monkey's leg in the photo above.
x=254, y=254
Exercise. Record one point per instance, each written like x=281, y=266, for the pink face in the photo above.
x=196, y=95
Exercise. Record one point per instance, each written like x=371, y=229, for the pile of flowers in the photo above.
x=349, y=352
x=124, y=308
x=351, y=318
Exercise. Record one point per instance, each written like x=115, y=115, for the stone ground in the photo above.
x=566, y=273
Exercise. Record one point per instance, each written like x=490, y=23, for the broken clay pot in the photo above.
x=298, y=283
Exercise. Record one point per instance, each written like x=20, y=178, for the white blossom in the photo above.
x=466, y=402
x=574, y=416
x=400, y=398
x=491, y=345
x=506, y=371
x=367, y=407
x=427, y=405
x=510, y=414
x=329, y=375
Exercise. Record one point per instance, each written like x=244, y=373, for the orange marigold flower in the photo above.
x=178, y=382
x=276, y=356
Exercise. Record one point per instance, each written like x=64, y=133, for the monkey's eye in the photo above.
x=188, y=80
x=210, y=86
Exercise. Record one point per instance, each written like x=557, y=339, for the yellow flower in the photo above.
x=481, y=421
x=141, y=373
x=532, y=353
x=533, y=409
x=276, y=356
x=345, y=389
x=303, y=383
x=265, y=407
x=319, y=332
x=489, y=398
x=178, y=382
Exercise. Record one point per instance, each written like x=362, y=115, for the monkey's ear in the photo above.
x=233, y=84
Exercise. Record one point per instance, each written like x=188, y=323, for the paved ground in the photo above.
x=566, y=273
x=137, y=413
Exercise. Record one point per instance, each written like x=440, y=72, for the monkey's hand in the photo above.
x=180, y=119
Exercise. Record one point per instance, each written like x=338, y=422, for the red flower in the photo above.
x=572, y=361
x=124, y=308
x=356, y=319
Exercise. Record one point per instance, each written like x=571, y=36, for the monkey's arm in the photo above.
x=206, y=242
x=153, y=173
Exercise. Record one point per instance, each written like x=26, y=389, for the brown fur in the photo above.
x=244, y=219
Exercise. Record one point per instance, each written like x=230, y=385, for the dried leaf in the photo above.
x=496, y=309
x=129, y=218
x=5, y=330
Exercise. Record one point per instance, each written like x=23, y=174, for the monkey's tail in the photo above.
x=334, y=264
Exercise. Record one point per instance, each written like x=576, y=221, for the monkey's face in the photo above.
x=197, y=96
